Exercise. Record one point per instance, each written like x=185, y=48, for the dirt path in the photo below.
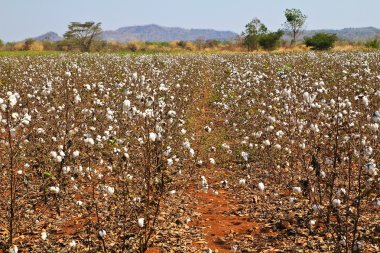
x=216, y=208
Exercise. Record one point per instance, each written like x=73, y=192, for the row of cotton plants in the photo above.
x=304, y=128
x=93, y=140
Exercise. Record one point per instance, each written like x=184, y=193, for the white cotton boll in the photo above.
x=242, y=181
x=183, y=131
x=245, y=155
x=316, y=208
x=13, y=249
x=297, y=189
x=172, y=192
x=277, y=146
x=76, y=153
x=170, y=162
x=72, y=244
x=89, y=141
x=140, y=222
x=192, y=152
x=172, y=114
x=19, y=172
x=336, y=203
x=292, y=199
x=186, y=144
x=261, y=186
x=212, y=161
x=110, y=190
x=58, y=159
x=54, y=189
x=102, y=233
x=312, y=223
x=266, y=143
x=43, y=235
x=79, y=203
x=365, y=101
x=341, y=192
x=12, y=100
x=152, y=137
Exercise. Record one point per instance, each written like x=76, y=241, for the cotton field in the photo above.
x=108, y=153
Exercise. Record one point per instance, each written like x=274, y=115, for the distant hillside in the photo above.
x=50, y=36
x=160, y=33
x=350, y=34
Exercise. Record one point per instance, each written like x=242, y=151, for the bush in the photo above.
x=270, y=41
x=321, y=41
x=374, y=43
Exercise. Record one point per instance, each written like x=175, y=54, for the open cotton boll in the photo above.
x=102, y=233
x=242, y=181
x=140, y=222
x=54, y=189
x=261, y=186
x=212, y=161
x=297, y=189
x=152, y=137
x=43, y=235
x=13, y=249
x=336, y=203
x=72, y=244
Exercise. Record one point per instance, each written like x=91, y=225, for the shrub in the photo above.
x=270, y=41
x=374, y=43
x=321, y=41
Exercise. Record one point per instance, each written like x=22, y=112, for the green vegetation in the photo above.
x=270, y=41
x=295, y=21
x=374, y=44
x=321, y=41
x=82, y=35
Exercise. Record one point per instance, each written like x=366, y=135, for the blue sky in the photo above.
x=20, y=19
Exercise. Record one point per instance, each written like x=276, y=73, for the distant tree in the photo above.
x=28, y=44
x=271, y=40
x=374, y=43
x=83, y=34
x=295, y=21
x=181, y=44
x=253, y=30
x=321, y=41
x=1, y=43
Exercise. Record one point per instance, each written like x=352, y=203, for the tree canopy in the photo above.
x=83, y=34
x=295, y=21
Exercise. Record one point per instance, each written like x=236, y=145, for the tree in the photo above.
x=1, y=43
x=253, y=30
x=295, y=21
x=321, y=41
x=83, y=34
x=271, y=40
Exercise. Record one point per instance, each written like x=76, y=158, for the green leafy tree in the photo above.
x=374, y=43
x=83, y=34
x=295, y=21
x=271, y=40
x=253, y=30
x=321, y=41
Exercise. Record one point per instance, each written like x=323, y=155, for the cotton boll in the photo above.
x=212, y=161
x=172, y=192
x=245, y=155
x=261, y=186
x=336, y=203
x=297, y=189
x=110, y=190
x=242, y=182
x=72, y=244
x=54, y=189
x=102, y=233
x=43, y=235
x=13, y=249
x=140, y=222
x=76, y=153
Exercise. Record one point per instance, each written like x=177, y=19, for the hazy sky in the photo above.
x=20, y=19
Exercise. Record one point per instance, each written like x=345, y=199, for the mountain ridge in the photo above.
x=157, y=33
